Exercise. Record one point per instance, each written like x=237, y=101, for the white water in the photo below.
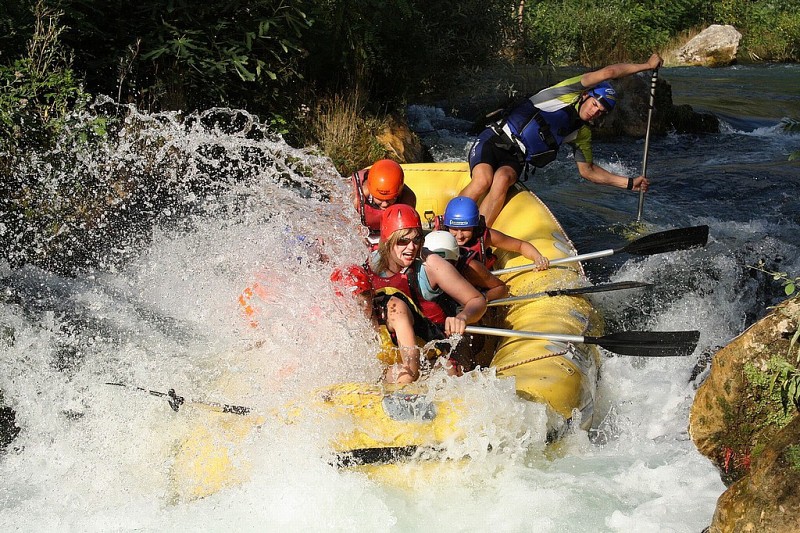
x=96, y=457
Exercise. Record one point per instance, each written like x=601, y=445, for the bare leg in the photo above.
x=482, y=176
x=504, y=178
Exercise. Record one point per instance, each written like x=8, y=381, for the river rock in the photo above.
x=630, y=115
x=768, y=498
x=738, y=423
x=400, y=142
x=715, y=46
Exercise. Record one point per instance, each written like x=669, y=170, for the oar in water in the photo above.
x=638, y=343
x=656, y=243
x=176, y=401
x=605, y=287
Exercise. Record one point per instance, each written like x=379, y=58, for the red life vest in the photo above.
x=370, y=216
x=482, y=253
x=400, y=281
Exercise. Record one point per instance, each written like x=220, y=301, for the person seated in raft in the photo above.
x=375, y=189
x=406, y=282
x=443, y=243
x=468, y=351
x=464, y=221
x=532, y=132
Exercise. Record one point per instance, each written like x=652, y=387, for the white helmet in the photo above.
x=442, y=242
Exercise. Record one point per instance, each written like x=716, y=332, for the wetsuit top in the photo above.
x=548, y=119
x=370, y=215
x=414, y=283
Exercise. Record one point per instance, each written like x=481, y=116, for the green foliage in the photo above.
x=792, y=125
x=183, y=54
x=787, y=378
x=792, y=455
x=790, y=284
x=768, y=400
x=597, y=33
x=39, y=91
x=392, y=48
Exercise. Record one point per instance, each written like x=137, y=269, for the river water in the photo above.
x=96, y=457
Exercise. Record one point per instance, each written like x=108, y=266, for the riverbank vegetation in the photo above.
x=328, y=73
x=277, y=59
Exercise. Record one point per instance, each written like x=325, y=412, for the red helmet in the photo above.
x=385, y=180
x=399, y=216
x=354, y=279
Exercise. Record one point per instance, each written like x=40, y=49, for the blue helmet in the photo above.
x=462, y=212
x=605, y=94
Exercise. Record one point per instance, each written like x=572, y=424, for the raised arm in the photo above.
x=619, y=70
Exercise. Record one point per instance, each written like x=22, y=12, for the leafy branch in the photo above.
x=792, y=125
x=789, y=283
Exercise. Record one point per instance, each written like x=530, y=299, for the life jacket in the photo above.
x=480, y=251
x=445, y=301
x=538, y=134
x=409, y=285
x=370, y=215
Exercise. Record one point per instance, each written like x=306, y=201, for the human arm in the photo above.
x=500, y=240
x=399, y=320
x=619, y=70
x=445, y=276
x=481, y=277
x=601, y=176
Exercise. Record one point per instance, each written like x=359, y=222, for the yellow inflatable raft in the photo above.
x=384, y=423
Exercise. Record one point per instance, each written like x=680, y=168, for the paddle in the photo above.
x=620, y=285
x=656, y=243
x=176, y=401
x=653, y=82
x=638, y=343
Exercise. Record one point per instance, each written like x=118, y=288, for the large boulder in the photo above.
x=400, y=143
x=715, y=46
x=738, y=421
x=630, y=116
x=768, y=498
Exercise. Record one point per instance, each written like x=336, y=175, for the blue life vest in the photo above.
x=539, y=132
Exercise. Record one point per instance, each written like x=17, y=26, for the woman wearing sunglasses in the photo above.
x=376, y=188
x=407, y=282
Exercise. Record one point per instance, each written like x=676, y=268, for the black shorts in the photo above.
x=497, y=151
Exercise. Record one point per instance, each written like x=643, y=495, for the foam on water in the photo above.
x=94, y=457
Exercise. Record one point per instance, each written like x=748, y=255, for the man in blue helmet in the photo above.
x=532, y=132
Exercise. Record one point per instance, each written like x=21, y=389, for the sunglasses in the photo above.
x=405, y=241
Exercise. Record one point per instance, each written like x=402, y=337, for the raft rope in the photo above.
x=531, y=360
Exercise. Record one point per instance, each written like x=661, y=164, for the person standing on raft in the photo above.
x=374, y=190
x=406, y=283
x=533, y=131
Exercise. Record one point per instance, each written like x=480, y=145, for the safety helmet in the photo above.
x=442, y=241
x=354, y=279
x=462, y=212
x=385, y=180
x=605, y=94
x=399, y=216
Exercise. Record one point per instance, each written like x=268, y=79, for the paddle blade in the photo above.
x=605, y=287
x=668, y=241
x=649, y=343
